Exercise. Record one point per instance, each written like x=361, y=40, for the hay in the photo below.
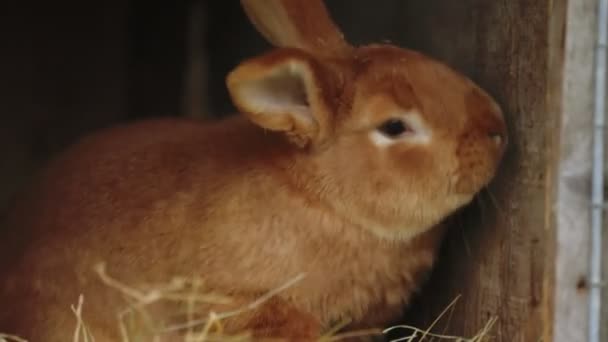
x=11, y=338
x=210, y=328
x=417, y=334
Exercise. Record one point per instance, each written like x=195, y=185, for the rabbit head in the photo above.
x=388, y=137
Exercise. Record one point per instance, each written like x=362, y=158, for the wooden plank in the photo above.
x=573, y=174
x=157, y=52
x=496, y=260
x=195, y=102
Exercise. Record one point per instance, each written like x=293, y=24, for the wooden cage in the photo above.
x=521, y=254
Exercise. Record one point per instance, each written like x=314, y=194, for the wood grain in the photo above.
x=573, y=174
x=496, y=258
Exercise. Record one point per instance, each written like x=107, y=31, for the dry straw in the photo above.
x=210, y=328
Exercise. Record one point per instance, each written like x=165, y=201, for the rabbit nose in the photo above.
x=499, y=139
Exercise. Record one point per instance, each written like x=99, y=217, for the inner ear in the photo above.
x=284, y=90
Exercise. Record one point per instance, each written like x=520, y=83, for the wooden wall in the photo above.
x=572, y=100
x=496, y=259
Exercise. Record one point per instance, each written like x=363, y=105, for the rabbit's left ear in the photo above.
x=286, y=90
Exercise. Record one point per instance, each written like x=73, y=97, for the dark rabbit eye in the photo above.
x=393, y=128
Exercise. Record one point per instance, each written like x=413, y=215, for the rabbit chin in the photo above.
x=431, y=219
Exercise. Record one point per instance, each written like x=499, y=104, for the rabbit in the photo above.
x=338, y=174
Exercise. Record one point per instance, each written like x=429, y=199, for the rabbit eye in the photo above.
x=393, y=128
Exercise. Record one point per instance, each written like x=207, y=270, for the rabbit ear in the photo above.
x=285, y=90
x=304, y=24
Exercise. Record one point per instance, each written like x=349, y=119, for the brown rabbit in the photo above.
x=342, y=168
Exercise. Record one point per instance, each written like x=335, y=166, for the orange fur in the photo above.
x=293, y=185
x=297, y=23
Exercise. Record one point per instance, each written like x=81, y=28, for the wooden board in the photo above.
x=572, y=160
x=497, y=258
